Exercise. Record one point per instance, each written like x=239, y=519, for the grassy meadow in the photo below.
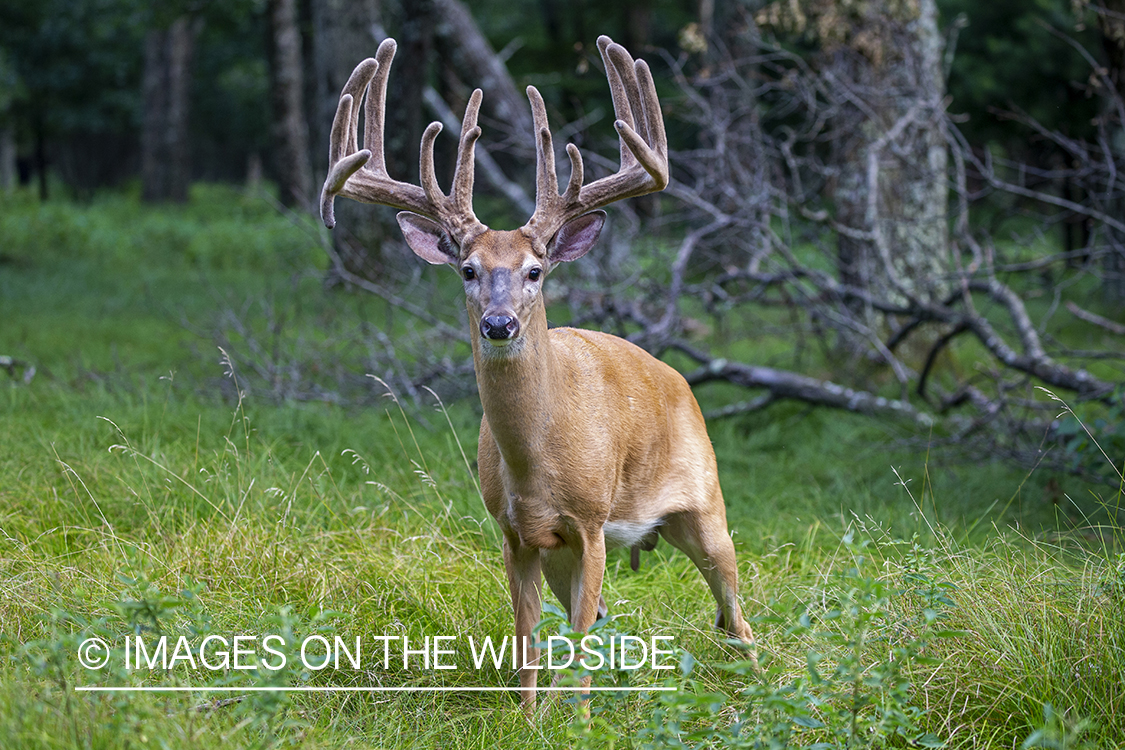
x=149, y=487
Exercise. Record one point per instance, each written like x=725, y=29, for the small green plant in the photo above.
x=1091, y=445
x=561, y=644
x=1057, y=732
x=148, y=610
x=859, y=673
x=1112, y=582
x=865, y=636
x=52, y=659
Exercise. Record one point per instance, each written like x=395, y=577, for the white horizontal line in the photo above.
x=350, y=689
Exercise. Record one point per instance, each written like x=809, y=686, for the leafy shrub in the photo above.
x=865, y=639
x=1090, y=444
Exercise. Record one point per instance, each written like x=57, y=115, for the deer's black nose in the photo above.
x=497, y=327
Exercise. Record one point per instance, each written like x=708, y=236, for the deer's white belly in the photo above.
x=627, y=533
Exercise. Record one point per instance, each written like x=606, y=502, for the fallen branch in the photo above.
x=11, y=365
x=784, y=384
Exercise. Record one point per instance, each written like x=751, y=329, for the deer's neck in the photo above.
x=518, y=392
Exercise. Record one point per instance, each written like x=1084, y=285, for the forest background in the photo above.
x=891, y=262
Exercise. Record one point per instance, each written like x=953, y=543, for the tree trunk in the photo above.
x=7, y=158
x=181, y=53
x=900, y=249
x=405, y=118
x=343, y=36
x=41, y=155
x=166, y=91
x=467, y=51
x=1111, y=21
x=290, y=129
x=154, y=94
x=552, y=20
x=638, y=24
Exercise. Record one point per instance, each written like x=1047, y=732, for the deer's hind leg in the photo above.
x=702, y=536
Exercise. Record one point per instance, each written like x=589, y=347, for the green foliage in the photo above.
x=220, y=229
x=79, y=61
x=866, y=638
x=1057, y=733
x=1007, y=57
x=872, y=648
x=1091, y=444
x=872, y=644
x=185, y=515
x=145, y=612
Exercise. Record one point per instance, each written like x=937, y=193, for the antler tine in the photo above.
x=653, y=118
x=356, y=85
x=546, y=181
x=577, y=173
x=461, y=193
x=375, y=113
x=618, y=68
x=455, y=211
x=347, y=175
x=644, y=148
x=343, y=157
x=426, y=173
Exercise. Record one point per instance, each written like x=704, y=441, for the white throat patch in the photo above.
x=510, y=348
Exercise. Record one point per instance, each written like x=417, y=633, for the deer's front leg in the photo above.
x=586, y=587
x=525, y=581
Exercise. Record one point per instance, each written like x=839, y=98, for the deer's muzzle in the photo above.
x=499, y=327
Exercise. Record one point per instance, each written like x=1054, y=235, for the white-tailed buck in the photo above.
x=587, y=441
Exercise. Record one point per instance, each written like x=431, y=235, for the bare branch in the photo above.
x=1098, y=320
x=783, y=384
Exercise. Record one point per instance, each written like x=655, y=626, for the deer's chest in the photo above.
x=548, y=515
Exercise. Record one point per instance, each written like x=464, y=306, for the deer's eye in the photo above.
x=534, y=274
x=468, y=273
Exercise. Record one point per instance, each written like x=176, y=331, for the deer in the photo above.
x=587, y=441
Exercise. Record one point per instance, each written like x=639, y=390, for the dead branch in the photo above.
x=11, y=364
x=1098, y=320
x=757, y=228
x=783, y=384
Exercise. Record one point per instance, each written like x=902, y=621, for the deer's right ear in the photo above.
x=427, y=239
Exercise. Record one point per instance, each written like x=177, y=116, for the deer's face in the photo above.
x=502, y=273
x=503, y=279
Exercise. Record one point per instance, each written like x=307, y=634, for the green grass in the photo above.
x=132, y=500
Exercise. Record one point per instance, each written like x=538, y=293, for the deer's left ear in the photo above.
x=576, y=237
